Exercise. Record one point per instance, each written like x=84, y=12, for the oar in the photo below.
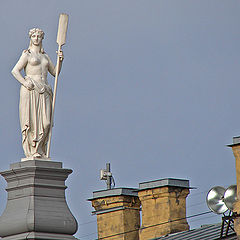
x=61, y=40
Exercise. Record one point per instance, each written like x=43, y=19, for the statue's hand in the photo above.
x=28, y=84
x=60, y=55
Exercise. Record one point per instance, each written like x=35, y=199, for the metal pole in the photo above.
x=228, y=224
x=109, y=178
x=222, y=228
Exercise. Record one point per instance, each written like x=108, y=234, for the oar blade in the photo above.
x=62, y=29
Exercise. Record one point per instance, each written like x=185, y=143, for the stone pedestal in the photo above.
x=36, y=205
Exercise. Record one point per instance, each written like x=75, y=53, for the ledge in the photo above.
x=236, y=141
x=167, y=182
x=114, y=192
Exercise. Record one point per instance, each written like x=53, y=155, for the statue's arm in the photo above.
x=16, y=71
x=52, y=68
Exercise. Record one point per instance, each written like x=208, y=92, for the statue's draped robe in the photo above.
x=35, y=109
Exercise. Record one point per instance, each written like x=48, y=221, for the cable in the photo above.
x=84, y=236
x=196, y=204
x=127, y=207
x=114, y=184
x=195, y=215
x=87, y=223
x=200, y=219
x=140, y=210
x=194, y=194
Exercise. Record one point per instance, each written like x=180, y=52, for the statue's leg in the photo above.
x=44, y=117
x=47, y=125
x=24, y=116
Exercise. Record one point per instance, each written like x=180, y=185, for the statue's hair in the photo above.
x=34, y=30
x=31, y=32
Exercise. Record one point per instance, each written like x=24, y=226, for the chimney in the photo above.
x=117, y=213
x=236, y=152
x=163, y=207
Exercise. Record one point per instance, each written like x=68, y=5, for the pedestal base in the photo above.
x=36, y=206
x=39, y=236
x=35, y=158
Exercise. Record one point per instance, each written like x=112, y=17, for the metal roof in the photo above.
x=206, y=232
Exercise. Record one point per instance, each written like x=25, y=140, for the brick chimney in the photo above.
x=163, y=207
x=117, y=213
x=236, y=152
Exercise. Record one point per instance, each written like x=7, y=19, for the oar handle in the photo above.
x=53, y=101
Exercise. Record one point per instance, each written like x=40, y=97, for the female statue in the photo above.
x=35, y=106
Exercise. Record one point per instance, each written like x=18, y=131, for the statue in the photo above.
x=35, y=106
x=37, y=102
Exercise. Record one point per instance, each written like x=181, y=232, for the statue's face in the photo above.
x=36, y=38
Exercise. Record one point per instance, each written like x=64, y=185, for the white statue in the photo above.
x=35, y=107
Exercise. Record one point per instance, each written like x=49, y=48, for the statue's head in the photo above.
x=36, y=30
x=36, y=36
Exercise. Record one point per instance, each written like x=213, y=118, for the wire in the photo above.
x=87, y=223
x=140, y=210
x=114, y=184
x=195, y=215
x=120, y=214
x=84, y=236
x=200, y=219
x=189, y=206
x=196, y=204
x=198, y=193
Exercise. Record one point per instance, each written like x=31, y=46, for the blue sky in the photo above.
x=150, y=86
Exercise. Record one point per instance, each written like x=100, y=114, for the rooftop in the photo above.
x=206, y=232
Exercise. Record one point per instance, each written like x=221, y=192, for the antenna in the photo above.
x=105, y=174
x=221, y=200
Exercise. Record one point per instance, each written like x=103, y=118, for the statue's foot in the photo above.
x=37, y=155
x=44, y=156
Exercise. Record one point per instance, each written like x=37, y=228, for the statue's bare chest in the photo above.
x=38, y=60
